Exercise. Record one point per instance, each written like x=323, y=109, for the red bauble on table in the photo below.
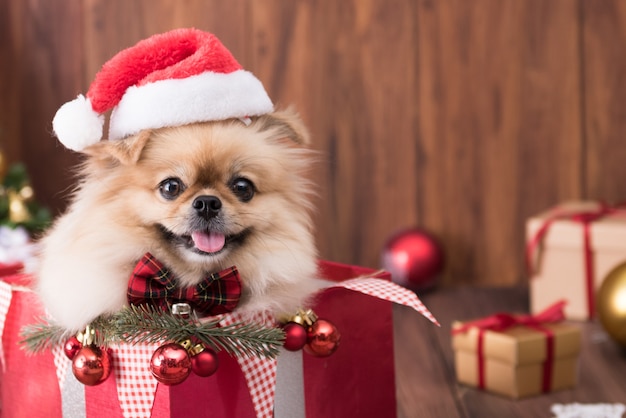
x=414, y=258
x=91, y=365
x=170, y=364
x=295, y=336
x=322, y=338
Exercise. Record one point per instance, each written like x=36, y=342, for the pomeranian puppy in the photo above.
x=200, y=198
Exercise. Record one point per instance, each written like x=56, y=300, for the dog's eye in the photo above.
x=243, y=189
x=171, y=188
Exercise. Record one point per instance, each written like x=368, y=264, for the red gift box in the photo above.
x=357, y=380
x=9, y=269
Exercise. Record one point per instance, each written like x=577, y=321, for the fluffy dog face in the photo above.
x=200, y=198
x=210, y=191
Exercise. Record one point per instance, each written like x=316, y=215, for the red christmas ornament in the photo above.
x=170, y=364
x=322, y=338
x=71, y=347
x=295, y=336
x=414, y=258
x=204, y=363
x=91, y=365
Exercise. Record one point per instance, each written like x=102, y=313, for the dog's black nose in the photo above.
x=207, y=206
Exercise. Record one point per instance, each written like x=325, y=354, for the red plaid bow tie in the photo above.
x=151, y=283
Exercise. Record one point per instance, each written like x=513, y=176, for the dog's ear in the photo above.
x=287, y=124
x=124, y=151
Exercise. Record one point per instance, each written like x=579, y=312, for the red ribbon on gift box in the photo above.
x=502, y=321
x=586, y=218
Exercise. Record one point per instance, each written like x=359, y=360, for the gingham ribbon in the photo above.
x=136, y=387
x=6, y=292
x=260, y=372
x=390, y=291
x=61, y=363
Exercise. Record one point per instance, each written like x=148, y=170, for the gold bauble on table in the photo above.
x=611, y=304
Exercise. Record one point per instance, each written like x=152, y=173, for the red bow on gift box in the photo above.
x=502, y=321
x=151, y=283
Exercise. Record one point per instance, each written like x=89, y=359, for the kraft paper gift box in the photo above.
x=571, y=248
x=357, y=380
x=519, y=360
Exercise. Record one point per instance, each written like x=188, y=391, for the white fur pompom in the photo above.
x=77, y=125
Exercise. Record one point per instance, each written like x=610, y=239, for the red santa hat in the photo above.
x=172, y=79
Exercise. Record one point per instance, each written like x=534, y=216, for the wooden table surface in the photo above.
x=425, y=380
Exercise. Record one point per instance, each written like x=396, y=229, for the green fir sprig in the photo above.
x=42, y=336
x=146, y=324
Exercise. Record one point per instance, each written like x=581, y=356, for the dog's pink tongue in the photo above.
x=210, y=242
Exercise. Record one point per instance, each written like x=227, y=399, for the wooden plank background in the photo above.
x=462, y=117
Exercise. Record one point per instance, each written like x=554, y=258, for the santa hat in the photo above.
x=172, y=79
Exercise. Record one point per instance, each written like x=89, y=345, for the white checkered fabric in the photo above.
x=390, y=291
x=5, y=302
x=260, y=373
x=260, y=376
x=136, y=387
x=61, y=363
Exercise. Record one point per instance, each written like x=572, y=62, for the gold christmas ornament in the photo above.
x=86, y=337
x=18, y=212
x=196, y=349
x=187, y=344
x=26, y=192
x=302, y=317
x=611, y=304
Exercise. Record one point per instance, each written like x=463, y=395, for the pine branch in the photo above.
x=247, y=339
x=145, y=324
x=42, y=336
